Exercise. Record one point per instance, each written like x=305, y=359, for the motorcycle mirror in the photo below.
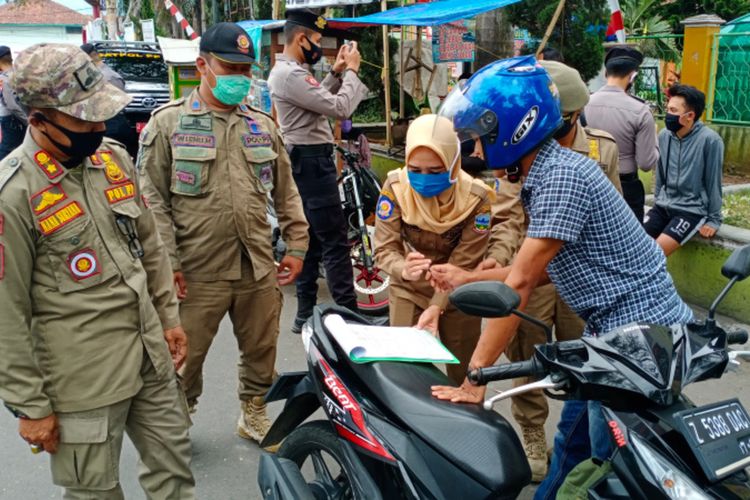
x=737, y=265
x=488, y=299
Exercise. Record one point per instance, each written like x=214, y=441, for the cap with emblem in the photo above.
x=228, y=42
x=62, y=77
x=307, y=19
x=574, y=94
x=623, y=55
x=4, y=50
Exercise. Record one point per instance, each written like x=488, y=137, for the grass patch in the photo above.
x=736, y=209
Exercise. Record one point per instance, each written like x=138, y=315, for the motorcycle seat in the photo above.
x=482, y=443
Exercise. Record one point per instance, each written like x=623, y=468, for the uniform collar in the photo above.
x=43, y=162
x=612, y=88
x=580, y=142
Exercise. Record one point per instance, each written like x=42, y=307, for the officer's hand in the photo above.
x=446, y=277
x=707, y=231
x=180, y=285
x=429, y=319
x=353, y=58
x=42, y=431
x=289, y=268
x=467, y=393
x=340, y=64
x=177, y=342
x=414, y=266
x=487, y=264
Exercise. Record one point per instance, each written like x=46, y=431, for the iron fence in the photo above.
x=661, y=68
x=728, y=99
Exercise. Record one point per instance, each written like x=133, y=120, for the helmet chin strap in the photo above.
x=452, y=168
x=513, y=173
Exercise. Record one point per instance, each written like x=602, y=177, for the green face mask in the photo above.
x=230, y=89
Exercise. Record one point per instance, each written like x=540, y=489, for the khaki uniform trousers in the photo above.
x=458, y=331
x=254, y=308
x=87, y=462
x=545, y=304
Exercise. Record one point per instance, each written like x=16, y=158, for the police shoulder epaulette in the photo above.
x=636, y=97
x=7, y=169
x=170, y=104
x=480, y=188
x=256, y=110
x=599, y=134
x=393, y=176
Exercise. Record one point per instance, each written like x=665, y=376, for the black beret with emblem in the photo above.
x=229, y=43
x=307, y=19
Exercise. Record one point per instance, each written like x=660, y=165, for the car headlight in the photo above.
x=307, y=331
x=673, y=482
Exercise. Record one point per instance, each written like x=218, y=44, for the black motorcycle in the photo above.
x=386, y=437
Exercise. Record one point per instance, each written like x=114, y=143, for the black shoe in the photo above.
x=297, y=326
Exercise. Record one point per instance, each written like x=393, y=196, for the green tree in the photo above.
x=674, y=12
x=579, y=32
x=641, y=18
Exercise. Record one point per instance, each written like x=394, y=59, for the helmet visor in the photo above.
x=471, y=121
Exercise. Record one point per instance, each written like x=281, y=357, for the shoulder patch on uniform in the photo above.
x=6, y=171
x=482, y=220
x=48, y=165
x=385, y=205
x=312, y=81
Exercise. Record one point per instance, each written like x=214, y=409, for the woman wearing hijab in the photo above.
x=432, y=212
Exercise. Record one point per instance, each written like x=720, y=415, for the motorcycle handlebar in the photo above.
x=529, y=368
x=737, y=337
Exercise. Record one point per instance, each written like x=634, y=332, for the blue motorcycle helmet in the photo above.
x=511, y=105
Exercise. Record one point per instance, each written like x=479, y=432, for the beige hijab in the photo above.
x=439, y=213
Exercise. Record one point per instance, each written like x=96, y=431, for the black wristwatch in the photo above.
x=336, y=74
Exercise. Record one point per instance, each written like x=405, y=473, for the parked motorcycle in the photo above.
x=386, y=437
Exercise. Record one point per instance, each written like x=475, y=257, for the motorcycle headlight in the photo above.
x=673, y=482
x=307, y=331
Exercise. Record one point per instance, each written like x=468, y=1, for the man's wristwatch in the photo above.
x=337, y=74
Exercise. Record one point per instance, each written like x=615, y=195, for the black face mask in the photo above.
x=82, y=144
x=313, y=54
x=567, y=126
x=672, y=122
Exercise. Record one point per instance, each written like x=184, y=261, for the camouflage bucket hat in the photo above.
x=62, y=76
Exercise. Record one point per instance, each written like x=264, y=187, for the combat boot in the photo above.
x=535, y=446
x=253, y=423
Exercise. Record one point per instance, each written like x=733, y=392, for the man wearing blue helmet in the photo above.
x=582, y=237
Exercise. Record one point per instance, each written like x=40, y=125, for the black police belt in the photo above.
x=311, y=151
x=631, y=177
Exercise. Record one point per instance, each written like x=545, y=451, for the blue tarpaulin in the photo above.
x=424, y=14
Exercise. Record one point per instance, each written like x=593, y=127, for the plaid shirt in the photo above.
x=609, y=270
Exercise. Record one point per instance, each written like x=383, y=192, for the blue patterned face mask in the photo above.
x=230, y=89
x=429, y=185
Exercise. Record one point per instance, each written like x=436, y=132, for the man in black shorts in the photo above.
x=688, y=177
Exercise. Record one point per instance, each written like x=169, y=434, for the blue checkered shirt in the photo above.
x=609, y=271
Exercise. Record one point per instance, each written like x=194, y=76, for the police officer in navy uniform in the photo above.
x=304, y=105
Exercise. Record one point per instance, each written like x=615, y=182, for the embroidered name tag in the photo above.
x=256, y=140
x=49, y=166
x=194, y=140
x=47, y=198
x=83, y=264
x=119, y=193
x=61, y=218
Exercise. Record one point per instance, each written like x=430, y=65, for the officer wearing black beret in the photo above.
x=613, y=109
x=304, y=105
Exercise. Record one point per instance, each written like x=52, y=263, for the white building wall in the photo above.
x=20, y=37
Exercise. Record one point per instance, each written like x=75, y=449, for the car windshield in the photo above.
x=136, y=66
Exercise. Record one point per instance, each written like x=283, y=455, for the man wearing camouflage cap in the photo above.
x=89, y=329
x=209, y=164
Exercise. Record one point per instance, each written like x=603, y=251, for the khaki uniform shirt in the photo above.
x=302, y=104
x=78, y=308
x=630, y=122
x=509, y=220
x=464, y=245
x=207, y=177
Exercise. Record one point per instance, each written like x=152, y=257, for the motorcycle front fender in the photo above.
x=301, y=402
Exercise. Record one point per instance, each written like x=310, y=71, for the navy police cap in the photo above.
x=229, y=43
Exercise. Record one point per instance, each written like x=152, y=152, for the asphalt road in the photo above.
x=225, y=465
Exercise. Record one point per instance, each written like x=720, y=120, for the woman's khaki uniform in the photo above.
x=463, y=245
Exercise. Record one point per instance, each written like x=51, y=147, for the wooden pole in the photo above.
x=551, y=27
x=401, y=93
x=387, y=79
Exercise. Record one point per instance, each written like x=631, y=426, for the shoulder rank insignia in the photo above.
x=49, y=166
x=112, y=170
x=47, y=198
x=83, y=264
x=61, y=218
x=594, y=150
x=385, y=205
